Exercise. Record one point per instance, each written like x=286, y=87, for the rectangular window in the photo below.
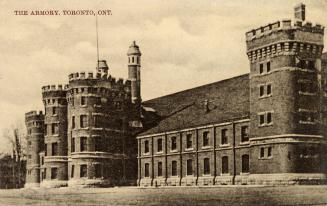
x=96, y=119
x=262, y=91
x=54, y=110
x=73, y=145
x=98, y=100
x=146, y=170
x=173, y=143
x=72, y=172
x=269, y=117
x=174, y=168
x=98, y=144
x=245, y=163
x=42, y=160
x=159, y=145
x=269, y=89
x=189, y=142
x=159, y=169
x=311, y=65
x=54, y=172
x=55, y=128
x=98, y=170
x=189, y=167
x=205, y=139
x=262, y=152
x=83, y=144
x=269, y=151
x=261, y=119
x=224, y=165
x=206, y=166
x=146, y=146
x=244, y=133
x=83, y=171
x=45, y=149
x=224, y=137
x=261, y=69
x=45, y=173
x=73, y=122
x=83, y=100
x=268, y=67
x=54, y=149
x=83, y=121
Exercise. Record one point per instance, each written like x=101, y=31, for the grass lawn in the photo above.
x=226, y=195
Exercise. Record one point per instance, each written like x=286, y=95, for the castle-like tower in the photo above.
x=134, y=73
x=54, y=169
x=35, y=138
x=88, y=127
x=285, y=85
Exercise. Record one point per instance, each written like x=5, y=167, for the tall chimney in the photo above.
x=299, y=12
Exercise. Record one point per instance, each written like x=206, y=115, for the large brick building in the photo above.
x=87, y=135
x=265, y=127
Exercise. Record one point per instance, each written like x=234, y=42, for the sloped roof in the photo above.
x=227, y=99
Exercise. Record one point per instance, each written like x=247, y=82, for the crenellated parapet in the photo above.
x=34, y=116
x=283, y=25
x=285, y=38
x=95, y=83
x=54, y=94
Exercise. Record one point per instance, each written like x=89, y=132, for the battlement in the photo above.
x=34, y=115
x=284, y=25
x=97, y=76
x=58, y=87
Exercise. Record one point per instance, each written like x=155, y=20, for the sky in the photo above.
x=184, y=44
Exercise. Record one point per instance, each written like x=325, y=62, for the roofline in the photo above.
x=228, y=122
x=205, y=85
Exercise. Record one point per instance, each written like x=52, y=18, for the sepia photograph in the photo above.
x=162, y=102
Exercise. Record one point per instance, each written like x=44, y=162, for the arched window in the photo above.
x=245, y=163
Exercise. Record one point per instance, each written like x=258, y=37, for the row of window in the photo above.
x=134, y=59
x=265, y=68
x=98, y=121
x=98, y=144
x=205, y=140
x=97, y=101
x=83, y=171
x=53, y=101
x=54, y=128
x=265, y=90
x=54, y=149
x=265, y=118
x=206, y=167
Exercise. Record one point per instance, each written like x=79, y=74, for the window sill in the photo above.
x=97, y=128
x=265, y=96
x=245, y=142
x=224, y=174
x=265, y=158
x=205, y=147
x=206, y=175
x=307, y=93
x=96, y=105
x=174, y=150
x=83, y=106
x=161, y=152
x=189, y=149
x=306, y=122
x=266, y=125
x=224, y=145
x=86, y=128
x=148, y=153
x=245, y=173
x=54, y=115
